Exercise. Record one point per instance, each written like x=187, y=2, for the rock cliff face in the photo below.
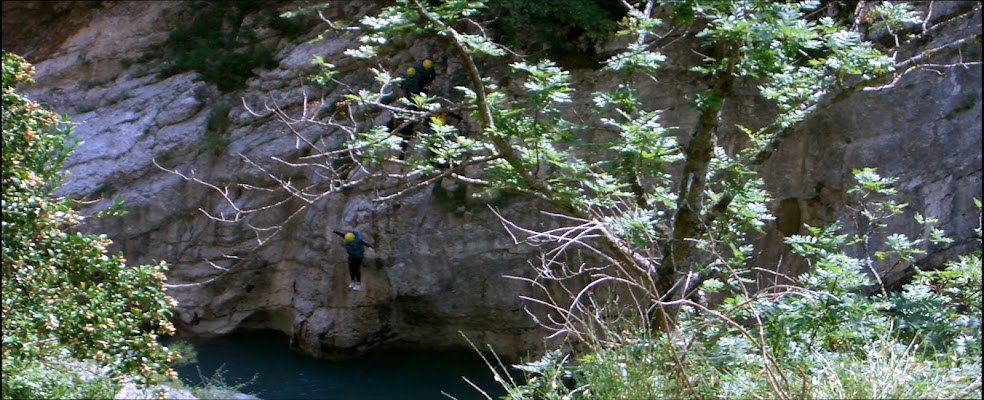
x=438, y=269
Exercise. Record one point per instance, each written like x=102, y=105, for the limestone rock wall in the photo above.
x=438, y=269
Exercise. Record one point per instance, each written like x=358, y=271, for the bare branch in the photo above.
x=335, y=27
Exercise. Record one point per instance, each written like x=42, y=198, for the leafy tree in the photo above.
x=68, y=306
x=819, y=336
x=554, y=26
x=661, y=233
x=217, y=46
x=665, y=212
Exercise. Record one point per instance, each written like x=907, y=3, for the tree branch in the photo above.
x=488, y=125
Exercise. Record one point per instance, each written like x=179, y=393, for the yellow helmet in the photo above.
x=440, y=118
x=349, y=237
x=428, y=64
x=411, y=71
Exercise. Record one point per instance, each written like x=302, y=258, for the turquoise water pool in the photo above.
x=281, y=374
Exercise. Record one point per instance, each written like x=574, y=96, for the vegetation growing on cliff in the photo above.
x=69, y=308
x=541, y=28
x=218, y=46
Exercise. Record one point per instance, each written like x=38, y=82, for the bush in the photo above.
x=216, y=138
x=65, y=300
x=820, y=338
x=217, y=46
x=217, y=386
x=540, y=27
x=58, y=380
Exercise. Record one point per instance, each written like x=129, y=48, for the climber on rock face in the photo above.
x=415, y=81
x=425, y=71
x=355, y=247
x=410, y=84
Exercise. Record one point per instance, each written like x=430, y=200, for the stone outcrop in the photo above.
x=440, y=261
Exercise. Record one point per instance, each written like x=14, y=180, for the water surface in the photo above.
x=391, y=375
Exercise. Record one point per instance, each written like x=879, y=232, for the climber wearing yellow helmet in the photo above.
x=355, y=247
x=410, y=84
x=418, y=78
x=425, y=69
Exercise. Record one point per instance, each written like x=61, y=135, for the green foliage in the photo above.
x=872, y=186
x=638, y=58
x=218, y=46
x=941, y=309
x=189, y=355
x=216, y=138
x=893, y=16
x=217, y=386
x=821, y=338
x=669, y=222
x=64, y=297
x=290, y=28
x=544, y=378
x=892, y=370
x=772, y=42
x=799, y=59
x=325, y=72
x=542, y=27
x=58, y=379
x=531, y=142
x=832, y=314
